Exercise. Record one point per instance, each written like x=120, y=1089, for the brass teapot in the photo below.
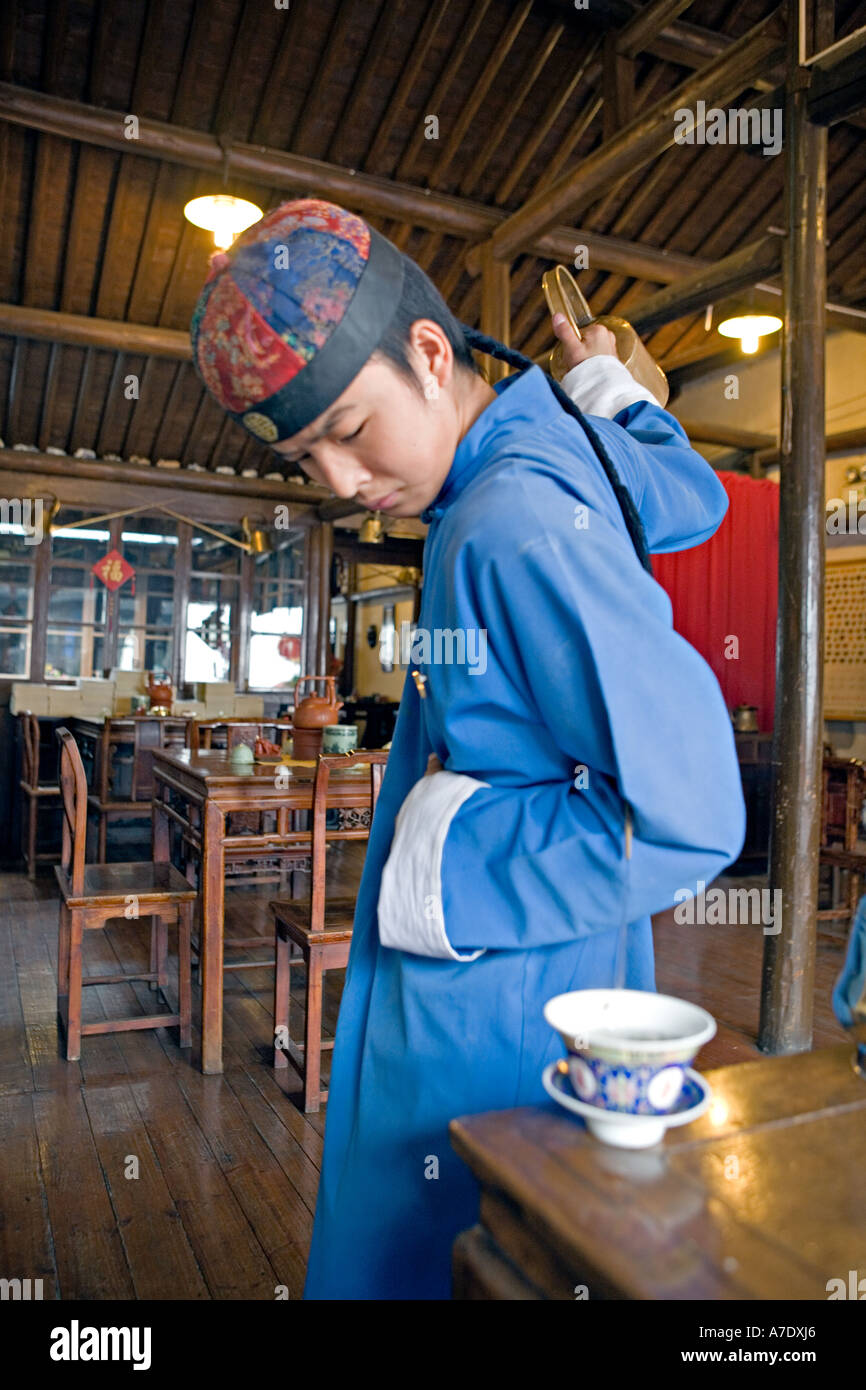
x=564, y=297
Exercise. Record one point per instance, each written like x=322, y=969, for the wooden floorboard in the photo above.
x=227, y=1166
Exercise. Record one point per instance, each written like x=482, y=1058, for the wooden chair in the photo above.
x=148, y=734
x=322, y=931
x=37, y=794
x=844, y=791
x=249, y=866
x=94, y=894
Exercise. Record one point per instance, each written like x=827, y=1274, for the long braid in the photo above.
x=493, y=348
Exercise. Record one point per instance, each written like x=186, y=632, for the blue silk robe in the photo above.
x=583, y=670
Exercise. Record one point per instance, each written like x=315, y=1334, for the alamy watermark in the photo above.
x=23, y=514
x=442, y=646
x=720, y=907
x=735, y=126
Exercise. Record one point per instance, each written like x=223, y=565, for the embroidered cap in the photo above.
x=291, y=313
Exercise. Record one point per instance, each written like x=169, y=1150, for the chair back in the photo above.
x=30, y=744
x=364, y=799
x=148, y=734
x=844, y=790
x=73, y=794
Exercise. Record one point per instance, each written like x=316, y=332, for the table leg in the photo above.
x=160, y=845
x=212, y=923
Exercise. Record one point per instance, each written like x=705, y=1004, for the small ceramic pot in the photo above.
x=339, y=738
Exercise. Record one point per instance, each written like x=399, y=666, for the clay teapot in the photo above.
x=315, y=711
x=312, y=714
x=159, y=690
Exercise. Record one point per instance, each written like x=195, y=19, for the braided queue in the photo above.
x=493, y=348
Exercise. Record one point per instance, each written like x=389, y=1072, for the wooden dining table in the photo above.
x=760, y=1198
x=198, y=791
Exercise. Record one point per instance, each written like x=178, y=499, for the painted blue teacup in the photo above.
x=628, y=1049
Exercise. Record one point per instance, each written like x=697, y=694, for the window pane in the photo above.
x=14, y=653
x=203, y=662
x=16, y=590
x=75, y=653
x=211, y=554
x=84, y=544
x=147, y=606
x=277, y=618
x=76, y=596
x=149, y=542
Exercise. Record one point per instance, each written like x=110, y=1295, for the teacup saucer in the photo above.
x=630, y=1131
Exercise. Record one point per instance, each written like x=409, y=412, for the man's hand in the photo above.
x=597, y=341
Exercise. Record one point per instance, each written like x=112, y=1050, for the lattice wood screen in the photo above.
x=845, y=639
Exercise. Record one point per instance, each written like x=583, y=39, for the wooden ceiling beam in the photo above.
x=650, y=21
x=736, y=272
x=48, y=325
x=368, y=193
x=33, y=461
x=642, y=140
x=838, y=86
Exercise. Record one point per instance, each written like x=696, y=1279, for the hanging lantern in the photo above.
x=289, y=648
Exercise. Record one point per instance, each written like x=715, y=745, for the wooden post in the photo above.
x=310, y=642
x=787, y=985
x=495, y=306
x=326, y=555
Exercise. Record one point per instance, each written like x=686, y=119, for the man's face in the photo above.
x=381, y=442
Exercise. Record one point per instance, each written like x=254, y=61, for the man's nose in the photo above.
x=342, y=474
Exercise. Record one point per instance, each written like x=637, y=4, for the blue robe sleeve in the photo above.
x=680, y=499
x=678, y=494
x=637, y=716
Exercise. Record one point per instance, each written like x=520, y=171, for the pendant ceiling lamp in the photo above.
x=223, y=215
x=750, y=328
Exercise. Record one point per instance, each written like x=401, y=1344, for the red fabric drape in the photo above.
x=727, y=588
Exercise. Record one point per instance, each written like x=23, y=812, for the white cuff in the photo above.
x=603, y=385
x=411, y=916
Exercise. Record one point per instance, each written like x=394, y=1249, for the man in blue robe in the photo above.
x=547, y=693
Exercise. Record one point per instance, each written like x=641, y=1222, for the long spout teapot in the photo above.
x=564, y=297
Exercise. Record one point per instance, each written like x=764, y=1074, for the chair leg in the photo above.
x=63, y=954
x=160, y=930
x=73, y=1025
x=184, y=933
x=282, y=982
x=313, y=1034
x=31, y=838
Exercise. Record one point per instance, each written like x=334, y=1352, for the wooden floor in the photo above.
x=129, y=1174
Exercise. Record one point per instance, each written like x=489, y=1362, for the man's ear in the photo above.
x=434, y=355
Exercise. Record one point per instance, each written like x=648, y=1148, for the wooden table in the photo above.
x=210, y=786
x=761, y=1198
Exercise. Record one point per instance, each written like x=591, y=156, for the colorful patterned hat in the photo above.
x=291, y=313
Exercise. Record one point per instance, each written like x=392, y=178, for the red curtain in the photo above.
x=726, y=589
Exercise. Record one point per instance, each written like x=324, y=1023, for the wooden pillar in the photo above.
x=326, y=555
x=310, y=642
x=787, y=984
x=495, y=306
